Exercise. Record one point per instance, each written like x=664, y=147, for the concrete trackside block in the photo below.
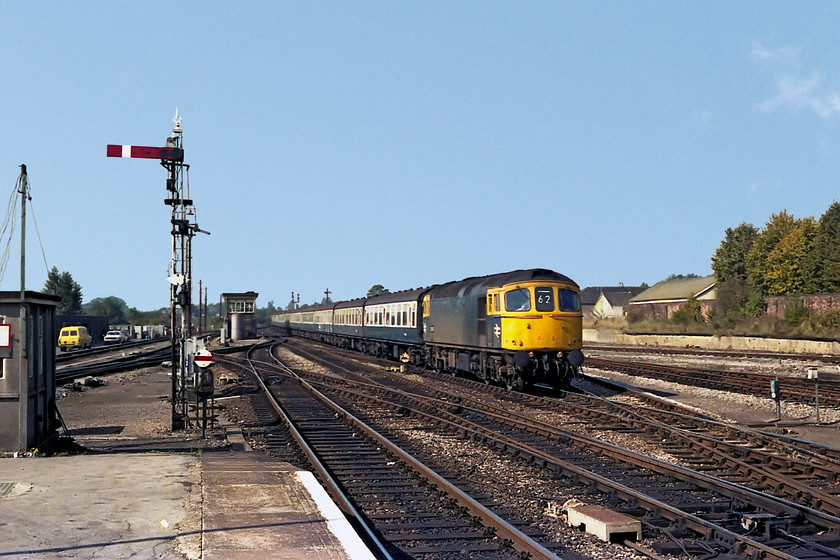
x=606, y=524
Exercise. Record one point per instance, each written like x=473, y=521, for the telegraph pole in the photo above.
x=23, y=189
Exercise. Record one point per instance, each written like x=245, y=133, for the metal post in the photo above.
x=183, y=228
x=814, y=373
x=817, y=396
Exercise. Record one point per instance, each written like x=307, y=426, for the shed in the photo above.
x=663, y=298
x=612, y=301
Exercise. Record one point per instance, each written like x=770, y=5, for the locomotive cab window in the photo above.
x=544, y=299
x=518, y=300
x=569, y=300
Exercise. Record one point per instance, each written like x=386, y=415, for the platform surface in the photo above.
x=220, y=505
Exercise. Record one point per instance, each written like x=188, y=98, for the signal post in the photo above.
x=184, y=228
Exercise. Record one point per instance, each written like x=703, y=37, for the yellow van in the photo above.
x=74, y=337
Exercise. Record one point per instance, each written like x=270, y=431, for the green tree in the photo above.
x=63, y=285
x=377, y=290
x=263, y=314
x=784, y=270
x=758, y=257
x=736, y=300
x=730, y=259
x=159, y=317
x=821, y=266
x=112, y=307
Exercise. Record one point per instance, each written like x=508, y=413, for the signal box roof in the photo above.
x=240, y=295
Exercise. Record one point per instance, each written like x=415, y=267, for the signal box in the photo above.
x=239, y=309
x=28, y=415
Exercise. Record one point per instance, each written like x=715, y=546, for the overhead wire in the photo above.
x=38, y=234
x=9, y=222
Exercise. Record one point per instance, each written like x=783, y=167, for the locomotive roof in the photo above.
x=479, y=284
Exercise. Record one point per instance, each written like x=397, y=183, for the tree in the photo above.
x=159, y=317
x=63, y=285
x=112, y=307
x=681, y=276
x=263, y=314
x=821, y=266
x=377, y=290
x=730, y=259
x=784, y=270
x=733, y=302
x=758, y=257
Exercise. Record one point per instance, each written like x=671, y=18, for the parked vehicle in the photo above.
x=114, y=337
x=76, y=337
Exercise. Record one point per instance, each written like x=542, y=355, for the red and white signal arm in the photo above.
x=147, y=152
x=5, y=336
x=203, y=358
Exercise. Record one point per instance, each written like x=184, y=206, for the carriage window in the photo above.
x=544, y=298
x=518, y=300
x=569, y=300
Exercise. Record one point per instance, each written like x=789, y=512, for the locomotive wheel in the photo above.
x=514, y=382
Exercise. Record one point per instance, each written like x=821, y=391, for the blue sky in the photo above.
x=345, y=144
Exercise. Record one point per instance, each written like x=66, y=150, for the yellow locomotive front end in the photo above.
x=540, y=324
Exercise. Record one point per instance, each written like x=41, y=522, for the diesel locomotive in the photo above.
x=517, y=328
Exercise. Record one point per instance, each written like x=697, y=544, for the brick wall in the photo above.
x=663, y=311
x=820, y=302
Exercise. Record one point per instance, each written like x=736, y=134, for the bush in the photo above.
x=755, y=305
x=635, y=315
x=795, y=313
x=689, y=312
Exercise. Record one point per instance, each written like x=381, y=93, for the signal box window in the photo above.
x=569, y=300
x=544, y=298
x=518, y=300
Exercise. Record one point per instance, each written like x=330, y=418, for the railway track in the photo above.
x=796, y=389
x=697, y=351
x=106, y=363
x=710, y=497
x=418, y=513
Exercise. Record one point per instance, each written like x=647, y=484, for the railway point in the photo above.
x=172, y=496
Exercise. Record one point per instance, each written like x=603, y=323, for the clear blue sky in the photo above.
x=345, y=144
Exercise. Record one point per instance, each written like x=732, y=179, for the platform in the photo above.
x=219, y=505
